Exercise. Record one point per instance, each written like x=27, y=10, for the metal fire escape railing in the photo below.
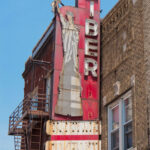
x=27, y=114
x=19, y=143
x=31, y=108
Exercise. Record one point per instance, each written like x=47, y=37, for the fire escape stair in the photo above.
x=19, y=143
x=36, y=136
x=27, y=118
x=27, y=109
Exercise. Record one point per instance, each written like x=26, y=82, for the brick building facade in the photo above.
x=124, y=102
x=125, y=70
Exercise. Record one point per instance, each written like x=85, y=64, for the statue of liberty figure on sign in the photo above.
x=69, y=97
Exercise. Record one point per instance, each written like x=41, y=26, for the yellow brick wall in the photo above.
x=123, y=59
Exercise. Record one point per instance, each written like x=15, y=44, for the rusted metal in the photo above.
x=73, y=127
x=20, y=143
x=27, y=117
x=73, y=145
x=77, y=135
x=69, y=100
x=88, y=70
x=40, y=62
x=33, y=106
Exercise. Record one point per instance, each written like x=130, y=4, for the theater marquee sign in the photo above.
x=76, y=61
x=91, y=44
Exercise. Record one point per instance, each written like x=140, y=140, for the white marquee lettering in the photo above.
x=91, y=8
x=89, y=46
x=89, y=68
x=91, y=27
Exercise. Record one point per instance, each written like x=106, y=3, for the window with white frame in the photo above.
x=120, y=123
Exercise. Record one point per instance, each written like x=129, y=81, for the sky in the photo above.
x=22, y=23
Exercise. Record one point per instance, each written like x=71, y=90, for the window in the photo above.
x=115, y=128
x=120, y=123
x=127, y=123
x=35, y=102
x=34, y=99
x=48, y=92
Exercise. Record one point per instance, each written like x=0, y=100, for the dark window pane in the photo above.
x=129, y=140
x=128, y=135
x=115, y=140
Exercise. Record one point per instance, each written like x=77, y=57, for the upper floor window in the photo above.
x=34, y=99
x=120, y=123
x=48, y=93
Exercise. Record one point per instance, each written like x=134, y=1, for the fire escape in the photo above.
x=27, y=119
x=26, y=122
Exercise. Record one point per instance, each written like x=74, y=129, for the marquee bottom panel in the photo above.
x=73, y=145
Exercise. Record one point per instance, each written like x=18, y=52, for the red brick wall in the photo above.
x=34, y=74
